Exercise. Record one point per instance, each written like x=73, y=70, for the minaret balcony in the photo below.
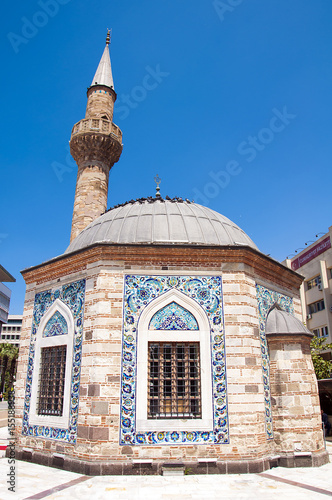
x=98, y=125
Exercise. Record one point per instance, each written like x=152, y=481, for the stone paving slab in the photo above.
x=37, y=481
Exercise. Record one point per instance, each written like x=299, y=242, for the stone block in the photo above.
x=98, y=433
x=93, y=469
x=256, y=466
x=58, y=462
x=237, y=467
x=251, y=388
x=27, y=456
x=250, y=361
x=99, y=407
x=93, y=420
x=41, y=459
x=94, y=390
x=77, y=466
x=83, y=432
x=83, y=391
x=126, y=450
x=112, y=469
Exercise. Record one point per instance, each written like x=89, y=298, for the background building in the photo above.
x=315, y=264
x=5, y=294
x=11, y=331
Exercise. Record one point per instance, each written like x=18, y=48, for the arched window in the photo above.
x=174, y=384
x=50, y=394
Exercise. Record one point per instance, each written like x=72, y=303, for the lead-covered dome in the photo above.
x=279, y=322
x=156, y=221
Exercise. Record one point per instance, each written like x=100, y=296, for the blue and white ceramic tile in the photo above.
x=56, y=325
x=173, y=317
x=266, y=299
x=139, y=291
x=73, y=296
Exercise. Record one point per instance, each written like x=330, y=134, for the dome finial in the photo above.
x=157, y=180
x=108, y=37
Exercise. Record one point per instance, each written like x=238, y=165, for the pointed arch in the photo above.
x=64, y=343
x=61, y=308
x=173, y=317
x=199, y=337
x=183, y=301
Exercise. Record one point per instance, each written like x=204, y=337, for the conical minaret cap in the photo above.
x=103, y=74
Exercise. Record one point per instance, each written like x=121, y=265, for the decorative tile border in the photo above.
x=266, y=299
x=73, y=296
x=139, y=291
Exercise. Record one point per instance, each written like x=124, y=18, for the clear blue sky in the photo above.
x=225, y=76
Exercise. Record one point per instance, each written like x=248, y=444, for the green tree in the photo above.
x=8, y=362
x=323, y=367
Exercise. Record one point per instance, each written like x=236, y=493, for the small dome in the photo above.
x=161, y=222
x=282, y=322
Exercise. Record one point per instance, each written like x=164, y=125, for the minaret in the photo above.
x=95, y=144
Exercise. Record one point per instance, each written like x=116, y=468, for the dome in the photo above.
x=282, y=322
x=156, y=221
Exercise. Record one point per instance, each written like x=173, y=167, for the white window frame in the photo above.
x=202, y=336
x=57, y=340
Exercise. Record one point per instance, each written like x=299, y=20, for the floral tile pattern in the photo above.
x=173, y=317
x=266, y=299
x=139, y=291
x=72, y=295
x=57, y=325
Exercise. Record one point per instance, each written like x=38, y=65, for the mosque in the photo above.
x=162, y=338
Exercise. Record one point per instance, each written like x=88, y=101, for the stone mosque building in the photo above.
x=162, y=337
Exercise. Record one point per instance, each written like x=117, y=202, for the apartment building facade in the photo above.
x=11, y=331
x=5, y=295
x=315, y=264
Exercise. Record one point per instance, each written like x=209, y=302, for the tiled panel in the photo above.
x=139, y=291
x=266, y=299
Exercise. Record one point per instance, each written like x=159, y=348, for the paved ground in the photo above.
x=36, y=482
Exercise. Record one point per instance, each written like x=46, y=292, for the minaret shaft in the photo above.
x=95, y=144
x=90, y=196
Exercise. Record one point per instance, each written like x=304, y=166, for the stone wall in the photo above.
x=296, y=408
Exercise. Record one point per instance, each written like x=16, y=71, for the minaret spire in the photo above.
x=95, y=144
x=103, y=74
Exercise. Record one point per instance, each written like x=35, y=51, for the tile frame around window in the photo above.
x=139, y=291
x=72, y=295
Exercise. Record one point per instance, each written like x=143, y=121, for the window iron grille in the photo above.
x=174, y=387
x=52, y=380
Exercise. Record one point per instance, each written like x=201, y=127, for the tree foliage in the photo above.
x=8, y=361
x=323, y=367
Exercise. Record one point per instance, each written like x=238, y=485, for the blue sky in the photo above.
x=240, y=119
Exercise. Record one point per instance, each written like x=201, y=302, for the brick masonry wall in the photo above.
x=295, y=401
x=98, y=429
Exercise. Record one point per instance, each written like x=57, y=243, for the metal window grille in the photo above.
x=52, y=380
x=174, y=385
